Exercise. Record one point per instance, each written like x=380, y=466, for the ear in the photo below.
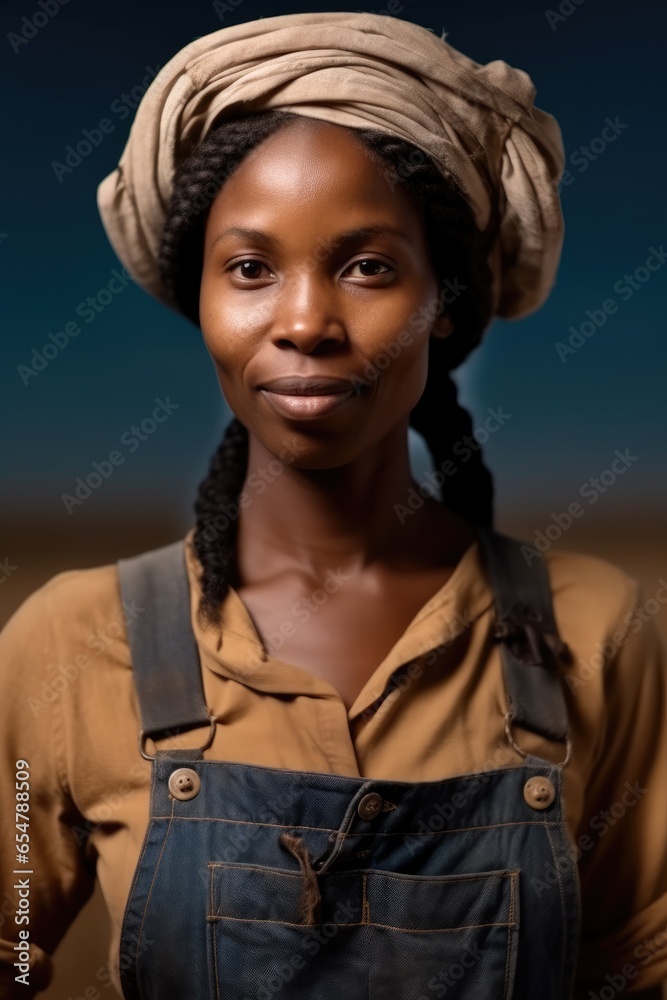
x=442, y=326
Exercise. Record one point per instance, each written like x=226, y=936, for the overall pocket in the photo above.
x=378, y=934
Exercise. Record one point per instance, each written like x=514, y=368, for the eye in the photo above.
x=252, y=268
x=371, y=262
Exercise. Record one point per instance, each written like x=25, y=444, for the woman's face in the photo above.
x=294, y=284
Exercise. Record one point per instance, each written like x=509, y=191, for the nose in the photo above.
x=308, y=315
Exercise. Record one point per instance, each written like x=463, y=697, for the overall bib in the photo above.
x=263, y=882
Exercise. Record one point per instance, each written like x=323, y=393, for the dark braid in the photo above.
x=217, y=517
x=460, y=260
x=443, y=423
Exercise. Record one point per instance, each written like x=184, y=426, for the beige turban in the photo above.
x=365, y=71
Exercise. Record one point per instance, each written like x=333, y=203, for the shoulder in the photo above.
x=591, y=591
x=74, y=612
x=609, y=622
x=83, y=593
x=65, y=618
x=73, y=594
x=604, y=616
x=604, y=587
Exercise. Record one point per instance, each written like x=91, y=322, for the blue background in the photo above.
x=601, y=61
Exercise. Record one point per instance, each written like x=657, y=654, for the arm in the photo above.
x=623, y=865
x=58, y=877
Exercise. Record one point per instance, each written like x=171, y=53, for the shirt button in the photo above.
x=184, y=783
x=539, y=793
x=370, y=805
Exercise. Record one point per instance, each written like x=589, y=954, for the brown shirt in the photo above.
x=68, y=707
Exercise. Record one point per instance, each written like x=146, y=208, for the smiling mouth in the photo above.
x=307, y=407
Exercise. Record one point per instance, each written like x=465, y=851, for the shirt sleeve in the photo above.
x=42, y=894
x=622, y=838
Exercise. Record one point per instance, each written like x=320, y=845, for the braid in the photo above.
x=444, y=423
x=459, y=252
x=215, y=532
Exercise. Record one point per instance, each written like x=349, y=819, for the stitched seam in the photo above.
x=135, y=878
x=250, y=822
x=509, y=934
x=576, y=940
x=427, y=879
x=365, y=905
x=144, y=845
x=148, y=899
x=391, y=927
x=215, y=940
x=255, y=868
x=326, y=829
x=364, y=872
x=562, y=897
x=570, y=844
x=513, y=894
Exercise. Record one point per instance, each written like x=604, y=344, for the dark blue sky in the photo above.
x=601, y=63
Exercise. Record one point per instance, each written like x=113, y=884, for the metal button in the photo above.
x=370, y=805
x=184, y=783
x=539, y=792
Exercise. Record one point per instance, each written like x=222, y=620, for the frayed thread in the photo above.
x=310, y=903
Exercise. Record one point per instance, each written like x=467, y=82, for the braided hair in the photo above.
x=438, y=416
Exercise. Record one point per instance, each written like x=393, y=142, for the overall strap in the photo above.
x=155, y=591
x=525, y=625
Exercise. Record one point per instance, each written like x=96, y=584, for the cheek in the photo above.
x=238, y=320
x=232, y=311
x=226, y=354
x=396, y=377
x=228, y=331
x=398, y=322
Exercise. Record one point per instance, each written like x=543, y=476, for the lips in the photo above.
x=307, y=398
x=313, y=385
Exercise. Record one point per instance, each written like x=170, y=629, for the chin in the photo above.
x=301, y=452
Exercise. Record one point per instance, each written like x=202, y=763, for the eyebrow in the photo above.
x=273, y=243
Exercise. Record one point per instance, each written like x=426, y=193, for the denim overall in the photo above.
x=266, y=882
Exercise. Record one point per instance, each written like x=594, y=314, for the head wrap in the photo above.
x=361, y=70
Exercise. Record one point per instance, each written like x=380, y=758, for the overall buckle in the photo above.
x=522, y=628
x=177, y=732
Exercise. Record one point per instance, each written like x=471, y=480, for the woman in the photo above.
x=414, y=777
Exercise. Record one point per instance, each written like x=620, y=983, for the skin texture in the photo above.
x=322, y=492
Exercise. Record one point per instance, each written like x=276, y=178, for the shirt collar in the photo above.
x=236, y=650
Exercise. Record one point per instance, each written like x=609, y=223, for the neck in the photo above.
x=343, y=516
